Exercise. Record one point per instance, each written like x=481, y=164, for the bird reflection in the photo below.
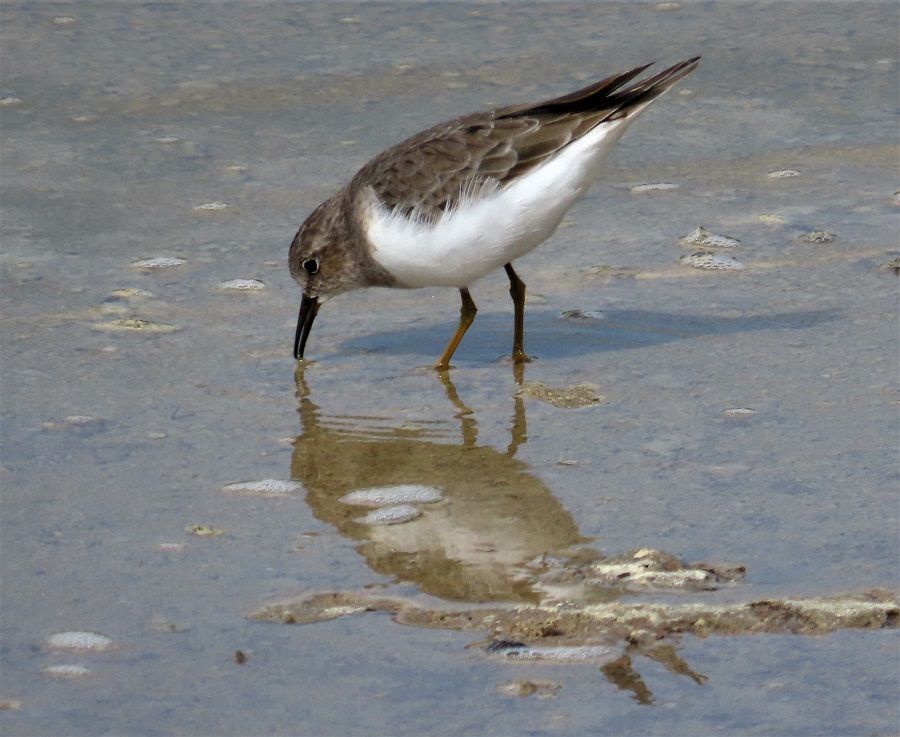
x=495, y=516
x=479, y=543
x=621, y=672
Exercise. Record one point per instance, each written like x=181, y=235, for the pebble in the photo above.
x=891, y=266
x=541, y=689
x=563, y=397
x=818, y=236
x=203, y=530
x=783, y=174
x=131, y=293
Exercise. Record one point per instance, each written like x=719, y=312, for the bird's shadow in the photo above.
x=549, y=334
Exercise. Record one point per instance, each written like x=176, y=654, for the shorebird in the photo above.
x=452, y=203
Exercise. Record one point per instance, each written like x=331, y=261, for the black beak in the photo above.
x=309, y=307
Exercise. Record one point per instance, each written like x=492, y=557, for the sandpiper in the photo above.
x=452, y=203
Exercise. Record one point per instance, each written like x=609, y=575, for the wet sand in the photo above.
x=131, y=395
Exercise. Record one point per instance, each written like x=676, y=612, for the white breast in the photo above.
x=493, y=225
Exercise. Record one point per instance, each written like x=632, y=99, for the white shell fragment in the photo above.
x=78, y=419
x=740, y=412
x=134, y=325
x=384, y=496
x=391, y=515
x=711, y=261
x=637, y=575
x=783, y=174
x=79, y=641
x=243, y=285
x=159, y=262
x=265, y=487
x=561, y=654
x=213, y=206
x=66, y=671
x=653, y=187
x=702, y=237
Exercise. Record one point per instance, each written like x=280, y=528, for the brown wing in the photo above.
x=428, y=173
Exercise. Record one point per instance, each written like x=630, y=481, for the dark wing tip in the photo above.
x=608, y=93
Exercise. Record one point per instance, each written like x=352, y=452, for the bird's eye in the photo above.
x=311, y=265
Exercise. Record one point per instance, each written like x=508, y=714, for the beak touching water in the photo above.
x=309, y=307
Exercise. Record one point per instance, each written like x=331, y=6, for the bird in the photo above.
x=449, y=205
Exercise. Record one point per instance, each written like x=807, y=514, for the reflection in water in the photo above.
x=621, y=673
x=483, y=541
x=474, y=545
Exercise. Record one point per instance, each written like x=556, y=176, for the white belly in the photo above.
x=493, y=226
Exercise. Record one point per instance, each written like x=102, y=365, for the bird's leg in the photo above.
x=466, y=317
x=517, y=292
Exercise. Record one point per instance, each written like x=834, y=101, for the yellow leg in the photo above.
x=517, y=292
x=466, y=317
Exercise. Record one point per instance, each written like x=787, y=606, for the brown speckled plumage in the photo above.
x=428, y=174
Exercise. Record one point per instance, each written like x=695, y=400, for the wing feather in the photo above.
x=428, y=174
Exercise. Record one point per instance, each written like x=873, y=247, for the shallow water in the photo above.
x=119, y=121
